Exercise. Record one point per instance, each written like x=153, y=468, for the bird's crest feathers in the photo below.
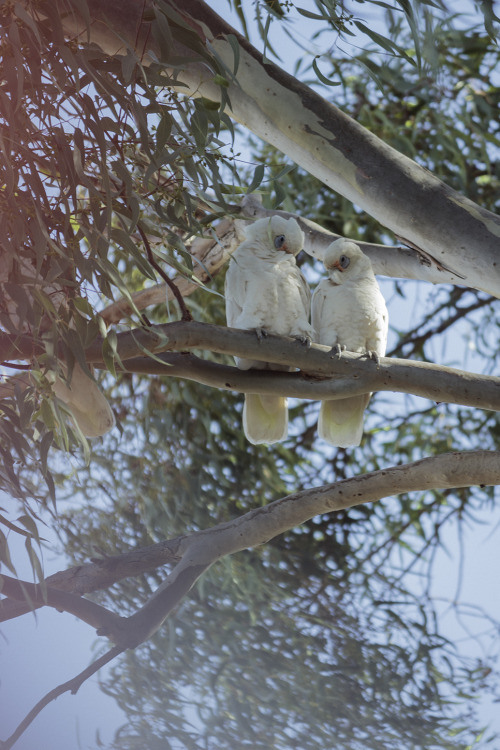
x=267, y=229
x=346, y=260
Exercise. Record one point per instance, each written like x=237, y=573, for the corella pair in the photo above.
x=267, y=292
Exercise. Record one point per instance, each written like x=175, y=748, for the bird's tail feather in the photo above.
x=87, y=404
x=341, y=421
x=265, y=418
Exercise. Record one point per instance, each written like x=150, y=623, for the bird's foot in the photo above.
x=261, y=333
x=373, y=356
x=337, y=350
x=304, y=339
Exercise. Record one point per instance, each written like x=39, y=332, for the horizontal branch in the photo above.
x=392, y=261
x=323, y=374
x=436, y=383
x=96, y=575
x=40, y=595
x=203, y=548
x=355, y=373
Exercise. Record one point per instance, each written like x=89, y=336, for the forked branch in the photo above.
x=200, y=550
x=322, y=375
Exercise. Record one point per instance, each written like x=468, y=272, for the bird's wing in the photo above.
x=87, y=404
x=377, y=336
x=304, y=291
x=235, y=290
x=317, y=304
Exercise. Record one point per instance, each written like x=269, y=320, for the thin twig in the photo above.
x=186, y=315
x=70, y=686
x=14, y=366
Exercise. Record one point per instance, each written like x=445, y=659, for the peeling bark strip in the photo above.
x=392, y=188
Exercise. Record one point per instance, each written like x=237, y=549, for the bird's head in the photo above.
x=344, y=261
x=277, y=234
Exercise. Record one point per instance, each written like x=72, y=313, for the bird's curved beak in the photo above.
x=336, y=266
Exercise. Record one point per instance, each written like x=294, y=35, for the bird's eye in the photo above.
x=344, y=261
x=279, y=241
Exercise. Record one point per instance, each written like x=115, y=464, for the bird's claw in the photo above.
x=373, y=356
x=337, y=350
x=304, y=339
x=261, y=333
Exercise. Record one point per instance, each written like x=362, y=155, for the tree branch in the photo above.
x=318, y=136
x=99, y=574
x=186, y=315
x=394, y=262
x=203, y=548
x=434, y=382
x=72, y=686
x=323, y=375
x=39, y=595
x=198, y=551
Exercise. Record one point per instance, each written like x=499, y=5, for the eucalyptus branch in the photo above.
x=196, y=552
x=39, y=594
x=316, y=135
x=98, y=574
x=392, y=261
x=439, y=384
x=202, y=549
x=71, y=686
x=350, y=374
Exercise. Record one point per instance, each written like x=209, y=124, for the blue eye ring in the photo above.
x=344, y=261
x=279, y=241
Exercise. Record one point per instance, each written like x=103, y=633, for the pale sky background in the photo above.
x=38, y=653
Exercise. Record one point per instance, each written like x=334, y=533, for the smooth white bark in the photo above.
x=462, y=237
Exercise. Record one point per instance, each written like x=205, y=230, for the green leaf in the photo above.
x=163, y=35
x=5, y=557
x=310, y=14
x=123, y=240
x=221, y=81
x=321, y=77
x=45, y=445
x=280, y=194
x=383, y=42
x=236, y=52
x=258, y=176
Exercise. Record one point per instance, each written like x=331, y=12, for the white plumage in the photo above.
x=266, y=292
x=88, y=406
x=83, y=397
x=348, y=312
